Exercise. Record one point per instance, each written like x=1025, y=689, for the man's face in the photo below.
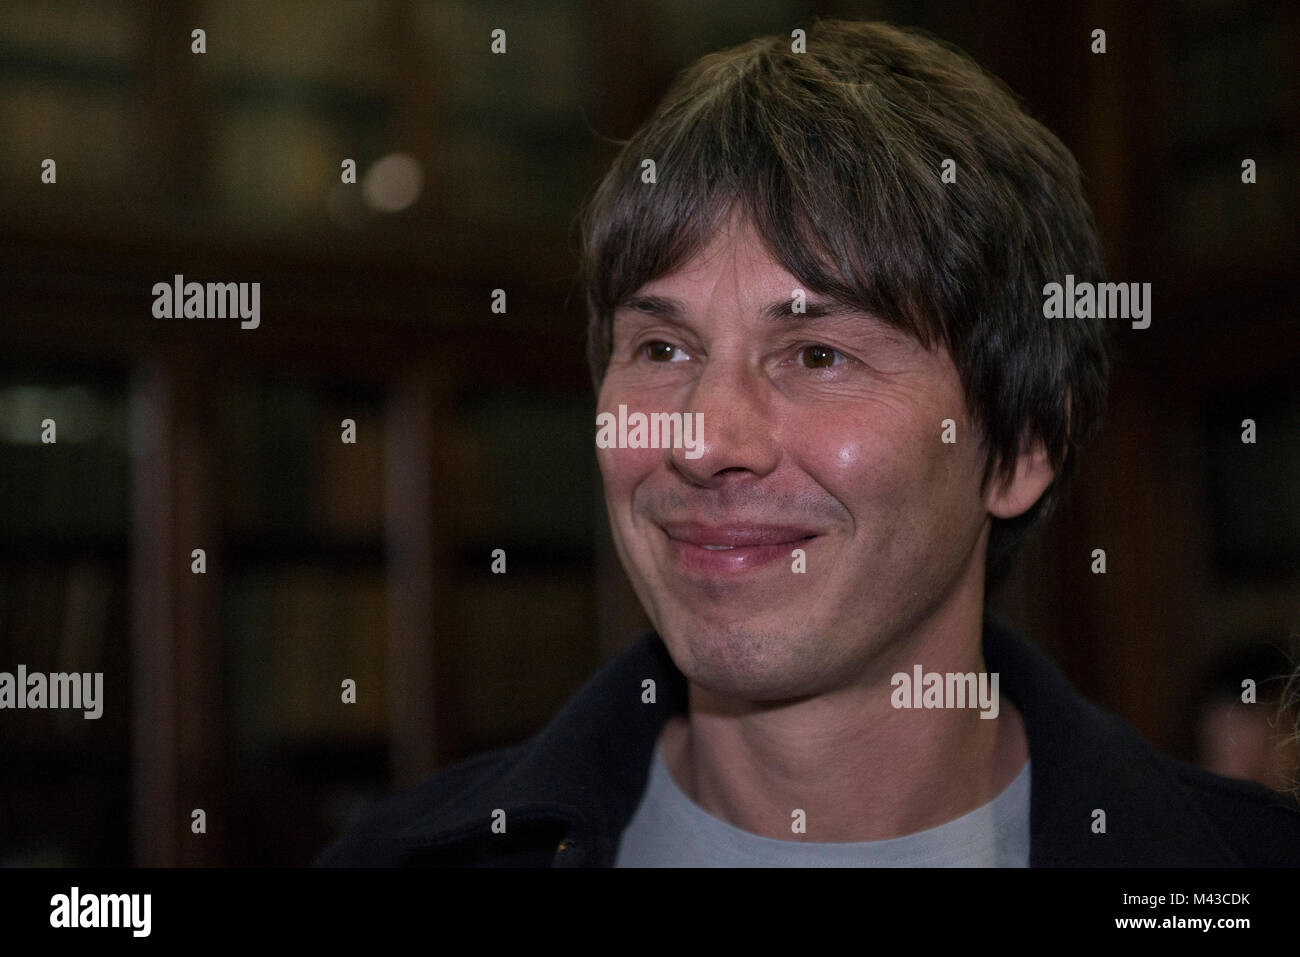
x=818, y=433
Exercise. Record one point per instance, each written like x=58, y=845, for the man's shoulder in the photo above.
x=1159, y=811
x=375, y=837
x=572, y=784
x=1261, y=826
x=1258, y=826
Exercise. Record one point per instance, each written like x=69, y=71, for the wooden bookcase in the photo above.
x=324, y=560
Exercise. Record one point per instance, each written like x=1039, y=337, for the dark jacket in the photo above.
x=569, y=791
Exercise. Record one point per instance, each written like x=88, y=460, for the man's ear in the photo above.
x=1033, y=474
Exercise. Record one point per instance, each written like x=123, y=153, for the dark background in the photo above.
x=372, y=561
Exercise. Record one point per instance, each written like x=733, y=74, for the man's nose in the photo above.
x=737, y=431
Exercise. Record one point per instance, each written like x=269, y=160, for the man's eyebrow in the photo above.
x=664, y=307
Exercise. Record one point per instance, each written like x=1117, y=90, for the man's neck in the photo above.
x=858, y=768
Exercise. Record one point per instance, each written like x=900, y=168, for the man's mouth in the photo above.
x=719, y=548
x=736, y=534
x=729, y=549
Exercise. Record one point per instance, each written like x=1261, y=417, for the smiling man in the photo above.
x=835, y=261
x=822, y=433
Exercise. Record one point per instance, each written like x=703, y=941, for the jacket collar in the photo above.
x=584, y=772
x=1084, y=760
x=583, y=775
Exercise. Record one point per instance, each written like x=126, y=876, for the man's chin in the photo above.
x=742, y=662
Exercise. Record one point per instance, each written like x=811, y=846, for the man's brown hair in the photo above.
x=835, y=156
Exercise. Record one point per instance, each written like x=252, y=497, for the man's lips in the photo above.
x=722, y=552
x=735, y=535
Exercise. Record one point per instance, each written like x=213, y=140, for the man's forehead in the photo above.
x=736, y=264
x=733, y=264
x=671, y=307
x=735, y=244
x=776, y=314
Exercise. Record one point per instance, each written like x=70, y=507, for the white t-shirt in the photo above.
x=668, y=829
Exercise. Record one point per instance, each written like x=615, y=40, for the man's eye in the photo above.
x=819, y=357
x=659, y=351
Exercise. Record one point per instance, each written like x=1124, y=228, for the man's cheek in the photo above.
x=621, y=469
x=842, y=462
